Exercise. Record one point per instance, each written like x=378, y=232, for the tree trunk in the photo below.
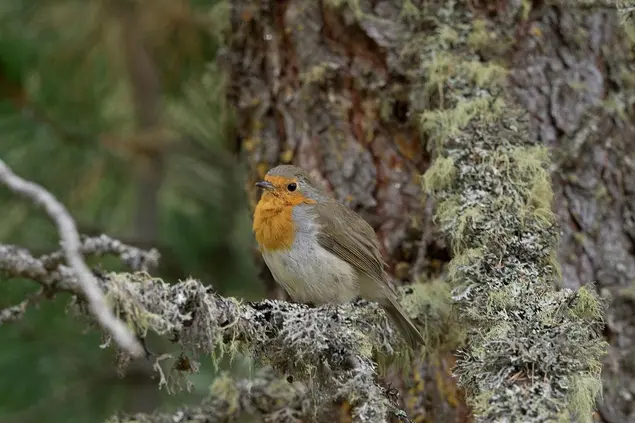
x=336, y=87
x=329, y=87
x=573, y=71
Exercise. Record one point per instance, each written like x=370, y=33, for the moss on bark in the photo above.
x=533, y=352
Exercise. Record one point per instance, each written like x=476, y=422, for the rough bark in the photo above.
x=324, y=85
x=532, y=352
x=573, y=71
x=330, y=86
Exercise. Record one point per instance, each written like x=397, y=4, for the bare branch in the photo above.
x=71, y=246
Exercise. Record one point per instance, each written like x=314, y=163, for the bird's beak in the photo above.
x=265, y=185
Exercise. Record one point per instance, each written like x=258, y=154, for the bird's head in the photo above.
x=290, y=185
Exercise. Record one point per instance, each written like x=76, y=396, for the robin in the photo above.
x=319, y=250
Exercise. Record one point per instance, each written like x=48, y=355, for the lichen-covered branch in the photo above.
x=135, y=258
x=54, y=275
x=265, y=395
x=334, y=349
x=534, y=351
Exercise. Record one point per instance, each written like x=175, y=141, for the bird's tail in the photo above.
x=407, y=329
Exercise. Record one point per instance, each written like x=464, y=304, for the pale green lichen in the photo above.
x=317, y=74
x=224, y=388
x=583, y=391
x=500, y=300
x=479, y=36
x=439, y=175
x=533, y=181
x=440, y=68
x=541, y=199
x=466, y=220
x=446, y=211
x=526, y=8
x=485, y=74
x=484, y=38
x=461, y=261
x=409, y=10
x=552, y=264
x=495, y=208
x=442, y=124
x=529, y=160
x=261, y=397
x=586, y=305
x=447, y=36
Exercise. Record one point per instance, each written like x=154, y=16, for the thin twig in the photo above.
x=71, y=244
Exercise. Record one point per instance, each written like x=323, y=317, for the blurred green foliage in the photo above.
x=64, y=97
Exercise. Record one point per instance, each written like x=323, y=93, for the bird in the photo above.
x=321, y=251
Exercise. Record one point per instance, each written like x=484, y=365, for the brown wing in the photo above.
x=350, y=238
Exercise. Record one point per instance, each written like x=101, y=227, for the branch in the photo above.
x=102, y=245
x=264, y=395
x=70, y=244
x=50, y=271
x=332, y=348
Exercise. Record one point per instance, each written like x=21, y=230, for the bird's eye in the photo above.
x=292, y=187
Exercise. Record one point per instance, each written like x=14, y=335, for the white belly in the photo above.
x=309, y=273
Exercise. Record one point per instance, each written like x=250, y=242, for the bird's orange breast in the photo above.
x=273, y=223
